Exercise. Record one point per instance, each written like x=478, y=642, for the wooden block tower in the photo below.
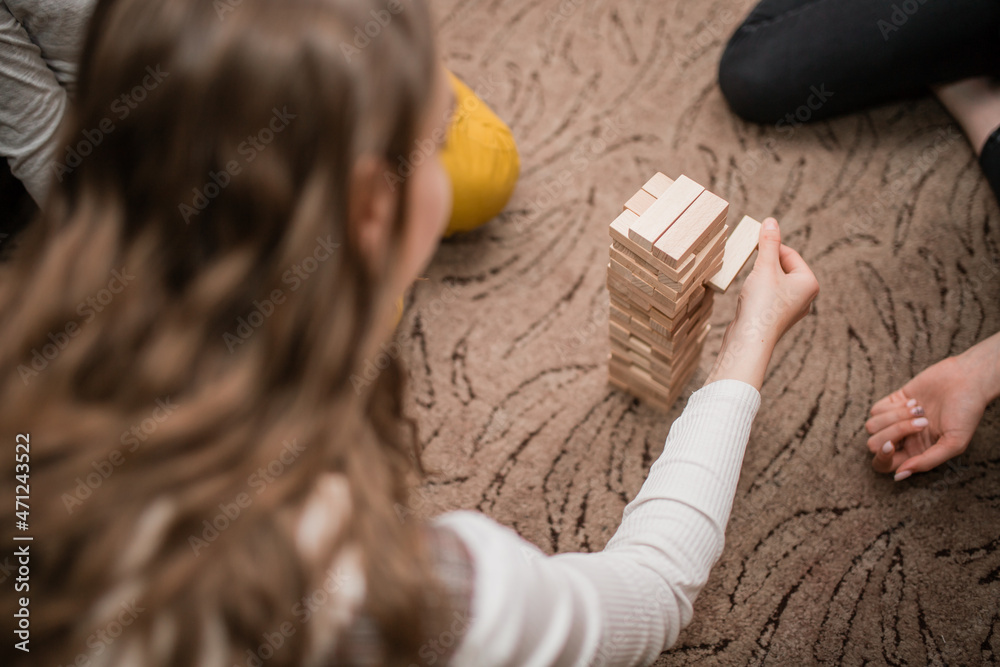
x=671, y=250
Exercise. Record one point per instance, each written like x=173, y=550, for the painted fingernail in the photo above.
x=910, y=403
x=920, y=423
x=917, y=411
x=900, y=476
x=887, y=447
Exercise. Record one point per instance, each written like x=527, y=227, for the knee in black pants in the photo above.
x=761, y=90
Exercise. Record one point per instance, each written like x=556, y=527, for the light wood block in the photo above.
x=653, y=400
x=618, y=332
x=672, y=289
x=647, y=299
x=639, y=202
x=658, y=184
x=691, y=228
x=619, y=234
x=616, y=314
x=740, y=246
x=660, y=216
x=653, y=317
x=644, y=259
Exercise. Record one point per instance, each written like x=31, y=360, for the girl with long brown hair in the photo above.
x=177, y=341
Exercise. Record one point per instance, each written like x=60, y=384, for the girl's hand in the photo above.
x=933, y=417
x=776, y=295
x=779, y=290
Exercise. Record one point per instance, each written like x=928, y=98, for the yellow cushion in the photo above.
x=481, y=158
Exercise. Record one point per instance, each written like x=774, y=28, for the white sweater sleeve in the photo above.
x=32, y=105
x=626, y=604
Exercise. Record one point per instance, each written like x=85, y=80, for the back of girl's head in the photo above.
x=178, y=335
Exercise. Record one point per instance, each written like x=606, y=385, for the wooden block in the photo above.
x=618, y=332
x=618, y=251
x=740, y=246
x=658, y=184
x=654, y=356
x=625, y=291
x=670, y=289
x=673, y=289
x=640, y=202
x=698, y=301
x=690, y=229
x=660, y=390
x=617, y=267
x=616, y=314
x=658, y=402
x=660, y=216
x=642, y=261
x=708, y=259
x=645, y=299
x=619, y=234
x=651, y=317
x=646, y=385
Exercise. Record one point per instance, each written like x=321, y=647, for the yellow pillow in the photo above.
x=481, y=158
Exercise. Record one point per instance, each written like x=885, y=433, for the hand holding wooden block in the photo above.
x=741, y=244
x=669, y=244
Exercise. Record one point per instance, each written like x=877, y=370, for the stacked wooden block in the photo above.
x=671, y=250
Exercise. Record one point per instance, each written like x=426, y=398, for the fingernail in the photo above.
x=910, y=403
x=917, y=411
x=900, y=476
x=920, y=423
x=887, y=447
x=770, y=223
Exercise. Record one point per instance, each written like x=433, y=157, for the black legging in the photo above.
x=794, y=61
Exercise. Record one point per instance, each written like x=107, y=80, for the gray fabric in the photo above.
x=40, y=42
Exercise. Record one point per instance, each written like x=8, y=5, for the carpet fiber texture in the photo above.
x=826, y=562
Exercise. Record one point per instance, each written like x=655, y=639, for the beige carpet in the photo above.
x=825, y=562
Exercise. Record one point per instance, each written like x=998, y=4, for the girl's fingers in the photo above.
x=791, y=260
x=947, y=447
x=769, y=243
x=894, y=399
x=896, y=432
x=893, y=415
x=883, y=461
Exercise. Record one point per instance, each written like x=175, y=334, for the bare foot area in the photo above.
x=975, y=104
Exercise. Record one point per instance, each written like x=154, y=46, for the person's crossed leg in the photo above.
x=795, y=61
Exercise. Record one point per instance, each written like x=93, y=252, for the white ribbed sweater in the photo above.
x=626, y=604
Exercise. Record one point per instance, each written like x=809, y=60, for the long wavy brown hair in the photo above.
x=187, y=311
